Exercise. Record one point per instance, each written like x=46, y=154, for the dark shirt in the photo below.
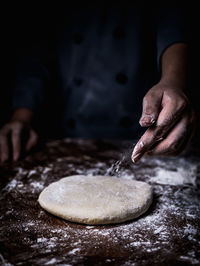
x=100, y=62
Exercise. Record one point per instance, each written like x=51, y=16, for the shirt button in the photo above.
x=119, y=33
x=78, y=82
x=71, y=123
x=121, y=78
x=78, y=38
x=125, y=122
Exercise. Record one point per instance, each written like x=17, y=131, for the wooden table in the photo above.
x=168, y=234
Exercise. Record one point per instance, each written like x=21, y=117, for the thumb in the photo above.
x=151, y=108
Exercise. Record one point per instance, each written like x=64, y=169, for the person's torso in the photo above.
x=106, y=61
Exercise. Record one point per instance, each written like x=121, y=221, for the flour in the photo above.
x=11, y=185
x=190, y=231
x=4, y=262
x=41, y=240
x=52, y=261
x=74, y=251
x=178, y=177
x=46, y=170
x=37, y=185
x=32, y=172
x=49, y=243
x=89, y=227
x=162, y=230
x=114, y=169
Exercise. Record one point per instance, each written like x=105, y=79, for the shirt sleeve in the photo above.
x=171, y=28
x=32, y=76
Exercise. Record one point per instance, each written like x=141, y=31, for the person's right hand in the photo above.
x=15, y=137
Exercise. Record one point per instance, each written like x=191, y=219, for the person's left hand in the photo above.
x=171, y=121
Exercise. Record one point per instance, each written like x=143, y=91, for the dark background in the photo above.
x=20, y=23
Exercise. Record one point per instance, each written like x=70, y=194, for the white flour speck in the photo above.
x=11, y=185
x=46, y=170
x=74, y=251
x=51, y=261
x=41, y=239
x=89, y=227
x=32, y=172
x=37, y=185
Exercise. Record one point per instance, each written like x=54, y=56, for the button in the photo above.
x=119, y=33
x=78, y=82
x=71, y=123
x=125, y=121
x=78, y=38
x=121, y=78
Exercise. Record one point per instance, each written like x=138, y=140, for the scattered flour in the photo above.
x=52, y=261
x=41, y=240
x=179, y=177
x=32, y=172
x=37, y=185
x=151, y=233
x=11, y=185
x=74, y=251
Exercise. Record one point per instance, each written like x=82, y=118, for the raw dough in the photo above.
x=96, y=199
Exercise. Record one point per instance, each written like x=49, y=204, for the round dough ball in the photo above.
x=96, y=199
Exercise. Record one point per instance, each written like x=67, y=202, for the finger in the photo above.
x=178, y=138
x=32, y=140
x=151, y=108
x=190, y=133
x=168, y=116
x=16, y=142
x=4, y=148
x=151, y=136
x=172, y=143
x=172, y=110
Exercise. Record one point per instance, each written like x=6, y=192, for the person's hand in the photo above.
x=15, y=137
x=171, y=122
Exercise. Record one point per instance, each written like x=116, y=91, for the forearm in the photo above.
x=164, y=109
x=24, y=115
x=174, y=65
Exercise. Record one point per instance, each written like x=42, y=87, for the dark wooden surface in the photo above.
x=168, y=234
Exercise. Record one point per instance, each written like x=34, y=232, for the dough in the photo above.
x=96, y=199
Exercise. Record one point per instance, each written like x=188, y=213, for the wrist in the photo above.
x=173, y=81
x=174, y=66
x=23, y=115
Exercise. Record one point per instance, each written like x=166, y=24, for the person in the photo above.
x=104, y=62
